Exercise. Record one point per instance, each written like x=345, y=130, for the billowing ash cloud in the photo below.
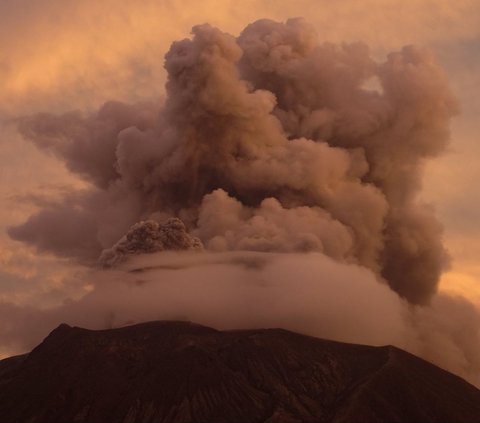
x=150, y=237
x=266, y=142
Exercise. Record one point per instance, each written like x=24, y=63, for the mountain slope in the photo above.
x=182, y=372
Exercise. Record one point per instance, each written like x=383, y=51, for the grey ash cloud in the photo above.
x=149, y=236
x=271, y=141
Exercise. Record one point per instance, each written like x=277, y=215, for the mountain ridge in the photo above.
x=173, y=371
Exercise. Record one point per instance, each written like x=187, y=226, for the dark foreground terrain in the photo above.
x=182, y=372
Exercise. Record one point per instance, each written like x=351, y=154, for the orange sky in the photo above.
x=59, y=55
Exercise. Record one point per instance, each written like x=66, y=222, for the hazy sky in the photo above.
x=60, y=55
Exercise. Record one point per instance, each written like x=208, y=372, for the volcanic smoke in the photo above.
x=266, y=142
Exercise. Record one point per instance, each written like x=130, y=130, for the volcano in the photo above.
x=172, y=371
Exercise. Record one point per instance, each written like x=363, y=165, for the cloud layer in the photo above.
x=307, y=293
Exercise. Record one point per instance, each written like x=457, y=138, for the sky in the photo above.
x=59, y=56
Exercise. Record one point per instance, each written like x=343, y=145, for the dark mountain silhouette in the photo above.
x=182, y=372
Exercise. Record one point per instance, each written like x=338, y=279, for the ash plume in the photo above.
x=148, y=237
x=270, y=141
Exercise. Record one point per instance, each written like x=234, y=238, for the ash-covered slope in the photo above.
x=182, y=372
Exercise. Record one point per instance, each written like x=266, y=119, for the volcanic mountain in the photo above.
x=168, y=371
